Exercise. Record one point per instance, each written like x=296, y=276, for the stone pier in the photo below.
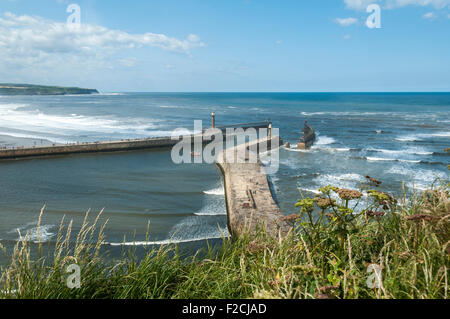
x=110, y=146
x=249, y=200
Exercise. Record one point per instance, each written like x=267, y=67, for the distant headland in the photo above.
x=29, y=89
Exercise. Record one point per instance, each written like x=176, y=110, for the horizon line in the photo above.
x=307, y=92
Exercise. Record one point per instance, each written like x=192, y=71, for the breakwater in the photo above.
x=249, y=199
x=113, y=146
x=92, y=147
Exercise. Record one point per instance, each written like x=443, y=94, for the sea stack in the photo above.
x=309, y=136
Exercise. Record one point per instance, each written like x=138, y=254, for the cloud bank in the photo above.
x=34, y=42
x=393, y=4
x=345, y=22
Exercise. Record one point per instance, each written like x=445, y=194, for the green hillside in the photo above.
x=28, y=89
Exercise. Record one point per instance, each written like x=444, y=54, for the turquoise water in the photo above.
x=394, y=137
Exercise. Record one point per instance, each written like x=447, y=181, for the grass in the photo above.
x=328, y=256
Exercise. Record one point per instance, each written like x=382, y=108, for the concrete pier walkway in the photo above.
x=249, y=200
x=109, y=146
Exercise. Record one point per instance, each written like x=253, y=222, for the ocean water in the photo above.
x=398, y=138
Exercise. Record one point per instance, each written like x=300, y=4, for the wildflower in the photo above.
x=324, y=203
x=345, y=210
x=349, y=194
x=381, y=197
x=327, y=189
x=306, y=204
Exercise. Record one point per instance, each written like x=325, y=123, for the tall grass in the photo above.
x=328, y=256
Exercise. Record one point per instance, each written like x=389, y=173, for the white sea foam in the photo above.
x=37, y=137
x=9, y=107
x=325, y=140
x=219, y=191
x=408, y=138
x=109, y=94
x=441, y=134
x=294, y=149
x=312, y=113
x=381, y=159
x=337, y=149
x=213, y=204
x=420, y=137
x=378, y=159
x=358, y=114
x=420, y=179
x=35, y=234
x=190, y=229
x=210, y=213
x=409, y=161
x=413, y=151
x=341, y=180
x=20, y=116
x=314, y=191
x=165, y=241
x=213, y=209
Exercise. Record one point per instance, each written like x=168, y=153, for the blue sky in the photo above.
x=232, y=45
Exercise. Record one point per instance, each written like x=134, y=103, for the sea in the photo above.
x=147, y=200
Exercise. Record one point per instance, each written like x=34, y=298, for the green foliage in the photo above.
x=326, y=257
x=28, y=89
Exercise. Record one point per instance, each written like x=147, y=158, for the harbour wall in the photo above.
x=249, y=199
x=112, y=146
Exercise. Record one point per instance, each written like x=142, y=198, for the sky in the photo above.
x=227, y=45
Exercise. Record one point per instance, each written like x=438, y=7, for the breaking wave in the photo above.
x=420, y=137
x=407, y=151
x=163, y=242
x=33, y=233
x=325, y=140
x=219, y=191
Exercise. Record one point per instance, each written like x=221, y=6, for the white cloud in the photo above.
x=429, y=16
x=347, y=37
x=359, y=4
x=128, y=62
x=345, y=22
x=24, y=33
x=36, y=49
x=392, y=4
x=437, y=4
